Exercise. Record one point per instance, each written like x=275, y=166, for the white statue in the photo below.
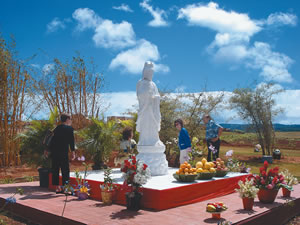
x=148, y=123
x=151, y=149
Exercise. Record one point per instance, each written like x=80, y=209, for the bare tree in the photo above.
x=15, y=89
x=73, y=88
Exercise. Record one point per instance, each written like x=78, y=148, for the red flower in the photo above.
x=262, y=181
x=266, y=164
x=145, y=166
x=264, y=173
x=270, y=186
x=134, y=161
x=261, y=169
x=281, y=178
x=275, y=180
x=133, y=157
x=133, y=167
x=271, y=173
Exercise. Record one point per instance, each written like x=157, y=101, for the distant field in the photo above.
x=289, y=135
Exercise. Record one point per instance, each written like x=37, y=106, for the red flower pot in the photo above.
x=286, y=192
x=216, y=216
x=248, y=203
x=266, y=195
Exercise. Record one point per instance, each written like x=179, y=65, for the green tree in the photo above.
x=258, y=107
x=32, y=148
x=99, y=139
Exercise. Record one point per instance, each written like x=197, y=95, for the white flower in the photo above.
x=229, y=153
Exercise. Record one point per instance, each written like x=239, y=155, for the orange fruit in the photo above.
x=186, y=170
x=177, y=172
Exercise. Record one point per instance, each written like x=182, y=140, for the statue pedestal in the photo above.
x=154, y=157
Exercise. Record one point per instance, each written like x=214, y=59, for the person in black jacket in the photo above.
x=62, y=140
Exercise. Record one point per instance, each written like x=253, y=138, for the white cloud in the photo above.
x=36, y=66
x=110, y=35
x=232, y=41
x=123, y=7
x=132, y=60
x=55, y=25
x=159, y=15
x=273, y=65
x=107, y=34
x=47, y=68
x=211, y=16
x=278, y=19
x=86, y=18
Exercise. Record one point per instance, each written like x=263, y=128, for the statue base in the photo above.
x=154, y=157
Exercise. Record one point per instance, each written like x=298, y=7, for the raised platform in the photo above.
x=45, y=207
x=164, y=192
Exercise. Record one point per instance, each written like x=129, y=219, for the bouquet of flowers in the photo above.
x=269, y=179
x=82, y=188
x=135, y=174
x=247, y=189
x=289, y=179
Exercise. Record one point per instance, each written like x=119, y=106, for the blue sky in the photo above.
x=220, y=45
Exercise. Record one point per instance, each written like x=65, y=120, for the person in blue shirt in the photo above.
x=213, y=133
x=184, y=141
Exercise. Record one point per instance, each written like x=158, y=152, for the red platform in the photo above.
x=160, y=199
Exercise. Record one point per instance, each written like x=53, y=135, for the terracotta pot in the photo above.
x=266, y=195
x=248, y=203
x=286, y=192
x=106, y=197
x=216, y=216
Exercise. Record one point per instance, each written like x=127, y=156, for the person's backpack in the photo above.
x=48, y=138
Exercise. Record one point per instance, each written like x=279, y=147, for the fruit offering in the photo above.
x=216, y=207
x=186, y=169
x=205, y=167
x=221, y=169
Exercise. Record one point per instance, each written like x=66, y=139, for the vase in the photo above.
x=266, y=195
x=248, y=203
x=286, y=192
x=133, y=201
x=106, y=197
x=82, y=195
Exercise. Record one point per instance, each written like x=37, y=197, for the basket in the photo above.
x=205, y=176
x=221, y=173
x=184, y=178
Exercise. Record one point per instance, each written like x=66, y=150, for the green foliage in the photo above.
x=8, y=180
x=258, y=108
x=99, y=139
x=32, y=148
x=29, y=178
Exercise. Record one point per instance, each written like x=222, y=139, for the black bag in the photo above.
x=48, y=138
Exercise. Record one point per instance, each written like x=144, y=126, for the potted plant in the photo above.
x=99, y=139
x=247, y=191
x=289, y=180
x=135, y=174
x=107, y=188
x=82, y=188
x=269, y=182
x=32, y=148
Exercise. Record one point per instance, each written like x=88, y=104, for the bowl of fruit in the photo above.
x=215, y=209
x=221, y=169
x=205, y=170
x=185, y=173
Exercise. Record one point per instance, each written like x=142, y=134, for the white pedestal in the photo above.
x=154, y=157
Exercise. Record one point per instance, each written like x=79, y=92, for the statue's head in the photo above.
x=148, y=70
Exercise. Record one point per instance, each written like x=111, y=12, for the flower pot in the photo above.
x=133, y=202
x=266, y=195
x=106, y=197
x=216, y=216
x=248, y=203
x=44, y=177
x=286, y=192
x=82, y=195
